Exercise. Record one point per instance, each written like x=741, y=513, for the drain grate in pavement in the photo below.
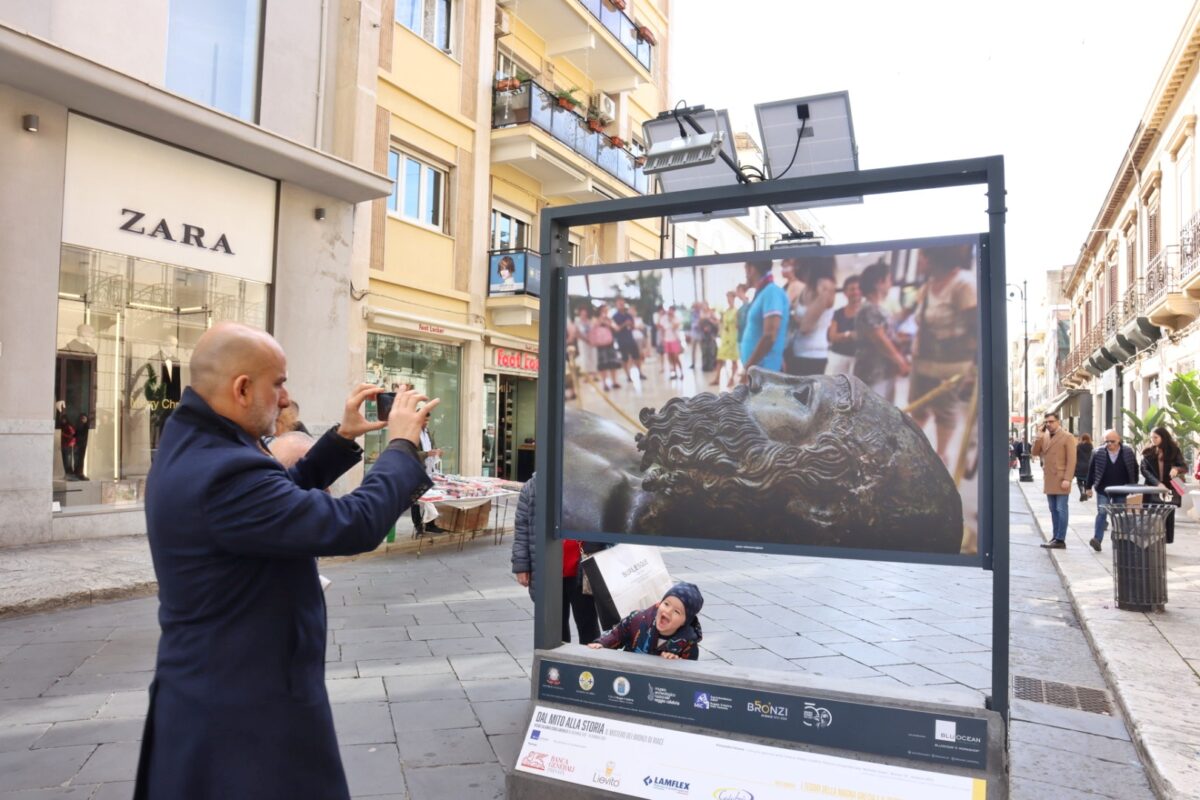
x=1063, y=695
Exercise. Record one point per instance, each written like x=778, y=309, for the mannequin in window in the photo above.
x=84, y=341
x=163, y=386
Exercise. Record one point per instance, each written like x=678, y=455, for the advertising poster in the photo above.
x=507, y=272
x=640, y=761
x=821, y=400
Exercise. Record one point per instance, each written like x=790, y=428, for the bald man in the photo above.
x=1114, y=464
x=238, y=706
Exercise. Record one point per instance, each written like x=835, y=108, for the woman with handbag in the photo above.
x=1163, y=464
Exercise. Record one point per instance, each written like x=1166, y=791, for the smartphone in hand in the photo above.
x=383, y=405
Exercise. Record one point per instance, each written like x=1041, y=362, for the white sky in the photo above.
x=1057, y=87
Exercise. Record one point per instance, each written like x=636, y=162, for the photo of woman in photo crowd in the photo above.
x=820, y=387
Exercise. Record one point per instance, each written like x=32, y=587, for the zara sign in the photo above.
x=138, y=197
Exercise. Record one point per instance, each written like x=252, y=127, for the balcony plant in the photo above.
x=596, y=121
x=511, y=83
x=616, y=141
x=646, y=35
x=566, y=98
x=619, y=5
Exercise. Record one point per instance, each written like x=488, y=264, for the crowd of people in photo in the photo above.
x=806, y=324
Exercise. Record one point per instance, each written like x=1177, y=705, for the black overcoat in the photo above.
x=238, y=707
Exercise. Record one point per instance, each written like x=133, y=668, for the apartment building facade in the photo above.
x=167, y=165
x=1134, y=292
x=487, y=112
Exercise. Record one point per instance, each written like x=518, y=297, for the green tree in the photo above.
x=1137, y=431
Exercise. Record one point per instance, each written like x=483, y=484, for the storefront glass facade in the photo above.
x=432, y=368
x=126, y=330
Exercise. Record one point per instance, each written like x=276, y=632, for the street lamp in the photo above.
x=1026, y=471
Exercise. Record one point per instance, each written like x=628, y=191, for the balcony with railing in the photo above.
x=1189, y=249
x=597, y=36
x=518, y=113
x=1166, y=303
x=1135, y=327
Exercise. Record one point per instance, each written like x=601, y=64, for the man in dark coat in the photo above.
x=1111, y=465
x=238, y=707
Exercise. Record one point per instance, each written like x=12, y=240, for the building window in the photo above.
x=419, y=193
x=1152, y=239
x=213, y=53
x=429, y=19
x=1131, y=270
x=508, y=232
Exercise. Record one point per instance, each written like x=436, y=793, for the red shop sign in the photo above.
x=510, y=359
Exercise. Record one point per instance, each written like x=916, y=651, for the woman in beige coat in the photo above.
x=1057, y=450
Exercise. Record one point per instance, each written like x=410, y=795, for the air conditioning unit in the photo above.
x=503, y=22
x=606, y=106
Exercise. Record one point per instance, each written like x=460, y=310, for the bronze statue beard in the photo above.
x=706, y=453
x=867, y=478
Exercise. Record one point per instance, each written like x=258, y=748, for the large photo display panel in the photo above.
x=854, y=433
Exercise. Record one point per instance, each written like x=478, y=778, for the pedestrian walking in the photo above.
x=727, y=352
x=878, y=362
x=575, y=604
x=1112, y=465
x=1057, y=450
x=842, y=338
x=945, y=345
x=672, y=346
x=626, y=334
x=1163, y=465
x=238, y=705
x=812, y=314
x=766, y=321
x=1083, y=462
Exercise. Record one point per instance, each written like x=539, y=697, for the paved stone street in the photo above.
x=429, y=659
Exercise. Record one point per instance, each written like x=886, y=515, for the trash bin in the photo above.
x=1139, y=533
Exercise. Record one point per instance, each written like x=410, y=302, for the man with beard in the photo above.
x=815, y=460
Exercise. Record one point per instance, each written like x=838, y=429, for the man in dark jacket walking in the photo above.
x=1112, y=465
x=238, y=706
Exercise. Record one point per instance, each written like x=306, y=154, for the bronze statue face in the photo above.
x=790, y=409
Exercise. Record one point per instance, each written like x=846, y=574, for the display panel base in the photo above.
x=604, y=723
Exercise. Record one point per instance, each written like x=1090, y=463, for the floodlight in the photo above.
x=682, y=152
x=808, y=136
x=705, y=174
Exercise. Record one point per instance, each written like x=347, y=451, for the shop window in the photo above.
x=419, y=191
x=126, y=329
x=429, y=19
x=213, y=53
x=431, y=368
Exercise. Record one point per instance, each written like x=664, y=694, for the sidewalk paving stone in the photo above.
x=432, y=715
x=482, y=781
x=444, y=748
x=110, y=762
x=363, y=723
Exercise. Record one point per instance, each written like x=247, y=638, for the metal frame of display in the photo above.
x=556, y=223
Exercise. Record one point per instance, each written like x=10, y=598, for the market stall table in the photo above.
x=469, y=506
